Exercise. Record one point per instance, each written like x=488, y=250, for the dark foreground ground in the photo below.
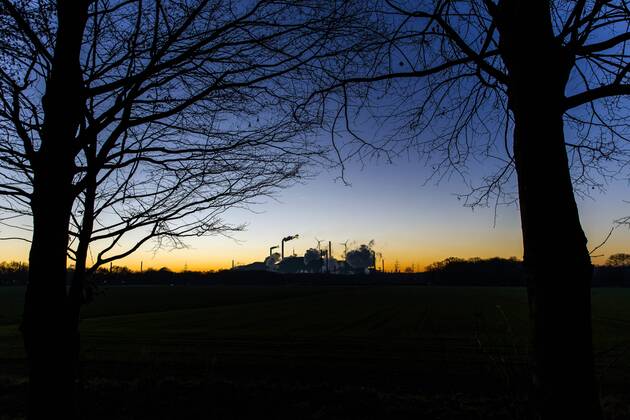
x=307, y=352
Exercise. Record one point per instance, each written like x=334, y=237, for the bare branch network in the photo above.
x=186, y=111
x=435, y=84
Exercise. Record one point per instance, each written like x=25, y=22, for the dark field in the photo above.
x=312, y=352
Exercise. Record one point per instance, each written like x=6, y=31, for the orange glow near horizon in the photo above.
x=197, y=259
x=410, y=224
x=216, y=254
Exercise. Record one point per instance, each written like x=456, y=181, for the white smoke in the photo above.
x=362, y=257
x=272, y=260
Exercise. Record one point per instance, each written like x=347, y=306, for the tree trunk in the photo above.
x=48, y=326
x=558, y=268
x=556, y=257
x=49, y=340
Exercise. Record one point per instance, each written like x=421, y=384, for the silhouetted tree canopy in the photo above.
x=477, y=271
x=537, y=91
x=436, y=80
x=184, y=112
x=125, y=122
x=618, y=260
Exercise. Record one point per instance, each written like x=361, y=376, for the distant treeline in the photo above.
x=510, y=272
x=449, y=272
x=477, y=272
x=13, y=273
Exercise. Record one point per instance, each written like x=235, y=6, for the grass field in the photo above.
x=300, y=351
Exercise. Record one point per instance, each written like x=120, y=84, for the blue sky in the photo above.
x=411, y=222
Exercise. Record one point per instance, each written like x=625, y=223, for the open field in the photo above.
x=300, y=351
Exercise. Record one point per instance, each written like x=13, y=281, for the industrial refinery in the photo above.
x=319, y=259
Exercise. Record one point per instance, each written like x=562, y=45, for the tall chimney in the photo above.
x=286, y=239
x=329, y=254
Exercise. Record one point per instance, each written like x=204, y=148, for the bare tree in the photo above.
x=535, y=89
x=128, y=121
x=618, y=260
x=163, y=189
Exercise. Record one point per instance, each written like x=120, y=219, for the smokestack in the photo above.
x=287, y=239
x=329, y=255
x=383, y=265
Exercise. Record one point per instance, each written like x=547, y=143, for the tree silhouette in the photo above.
x=130, y=121
x=535, y=88
x=618, y=260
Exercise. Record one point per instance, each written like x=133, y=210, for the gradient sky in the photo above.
x=410, y=222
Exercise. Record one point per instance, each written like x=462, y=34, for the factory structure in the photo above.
x=361, y=260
